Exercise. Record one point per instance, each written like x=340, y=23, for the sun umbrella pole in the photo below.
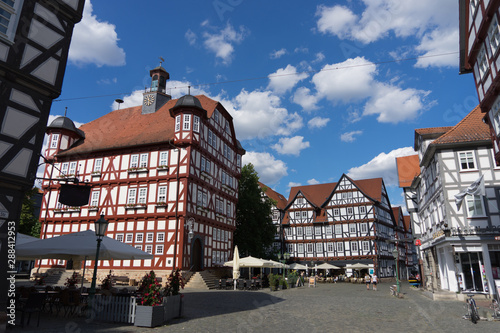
x=83, y=276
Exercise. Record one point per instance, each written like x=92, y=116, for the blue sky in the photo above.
x=316, y=89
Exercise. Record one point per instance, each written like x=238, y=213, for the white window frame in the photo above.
x=354, y=246
x=300, y=231
x=196, y=124
x=139, y=237
x=336, y=212
x=139, y=247
x=129, y=238
x=468, y=157
x=310, y=248
x=94, y=199
x=54, y=139
x=317, y=230
x=365, y=246
x=474, y=206
x=363, y=227
x=494, y=35
x=143, y=163
x=131, y=196
x=159, y=249
x=149, y=248
x=340, y=247
x=352, y=228
x=309, y=231
x=482, y=63
x=338, y=229
x=495, y=111
x=328, y=230
x=98, y=165
x=64, y=168
x=150, y=236
x=13, y=20
x=186, y=124
x=134, y=161
x=72, y=168
x=362, y=209
x=162, y=193
x=119, y=237
x=163, y=158
x=319, y=248
x=142, y=195
x=329, y=247
x=350, y=210
x=178, y=123
x=300, y=248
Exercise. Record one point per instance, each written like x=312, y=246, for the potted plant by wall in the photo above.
x=172, y=300
x=273, y=281
x=72, y=281
x=149, y=311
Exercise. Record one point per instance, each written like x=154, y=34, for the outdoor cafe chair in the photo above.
x=70, y=301
x=241, y=284
x=34, y=304
x=219, y=282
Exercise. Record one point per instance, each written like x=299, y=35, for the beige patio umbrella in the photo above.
x=236, y=265
x=327, y=266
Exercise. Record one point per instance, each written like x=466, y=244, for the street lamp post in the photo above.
x=395, y=254
x=101, y=225
x=286, y=256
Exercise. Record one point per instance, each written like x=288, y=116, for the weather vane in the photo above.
x=161, y=60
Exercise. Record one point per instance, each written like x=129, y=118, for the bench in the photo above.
x=120, y=280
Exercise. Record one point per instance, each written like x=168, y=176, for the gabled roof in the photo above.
x=470, y=131
x=396, y=211
x=371, y=187
x=407, y=222
x=277, y=197
x=408, y=168
x=315, y=194
x=129, y=128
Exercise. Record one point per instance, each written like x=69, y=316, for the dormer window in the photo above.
x=54, y=141
x=178, y=123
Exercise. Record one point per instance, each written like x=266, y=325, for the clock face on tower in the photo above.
x=149, y=99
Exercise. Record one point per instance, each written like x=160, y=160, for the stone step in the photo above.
x=202, y=280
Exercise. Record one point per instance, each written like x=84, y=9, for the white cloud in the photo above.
x=222, y=42
x=383, y=165
x=291, y=146
x=269, y=169
x=319, y=57
x=427, y=20
x=305, y=99
x=293, y=184
x=301, y=50
x=95, y=42
x=284, y=79
x=347, y=81
x=313, y=182
x=317, y=122
x=439, y=42
x=278, y=54
x=350, y=136
x=190, y=37
x=393, y=104
x=258, y=114
x=336, y=20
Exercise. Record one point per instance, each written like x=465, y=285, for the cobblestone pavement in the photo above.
x=341, y=307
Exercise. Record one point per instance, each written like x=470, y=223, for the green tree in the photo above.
x=254, y=232
x=28, y=223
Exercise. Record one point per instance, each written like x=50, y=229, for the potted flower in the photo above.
x=107, y=283
x=72, y=280
x=149, y=311
x=172, y=300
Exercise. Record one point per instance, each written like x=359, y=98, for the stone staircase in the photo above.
x=202, y=280
x=60, y=278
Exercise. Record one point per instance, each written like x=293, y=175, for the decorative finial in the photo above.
x=65, y=110
x=189, y=90
x=161, y=60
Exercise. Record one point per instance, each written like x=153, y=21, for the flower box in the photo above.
x=149, y=316
x=136, y=169
x=172, y=307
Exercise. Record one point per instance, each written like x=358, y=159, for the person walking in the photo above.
x=367, y=281
x=374, y=281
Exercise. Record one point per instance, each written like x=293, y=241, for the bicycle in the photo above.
x=472, y=313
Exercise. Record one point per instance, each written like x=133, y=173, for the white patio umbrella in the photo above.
x=297, y=266
x=327, y=266
x=358, y=266
x=78, y=246
x=236, y=265
x=251, y=262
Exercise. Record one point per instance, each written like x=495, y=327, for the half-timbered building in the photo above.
x=34, y=43
x=341, y=223
x=277, y=213
x=458, y=246
x=165, y=175
x=479, y=54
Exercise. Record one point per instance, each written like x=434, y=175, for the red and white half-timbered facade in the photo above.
x=164, y=174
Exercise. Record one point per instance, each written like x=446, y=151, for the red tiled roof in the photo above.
x=471, y=128
x=408, y=169
x=279, y=198
x=128, y=128
x=407, y=222
x=316, y=194
x=433, y=130
x=371, y=187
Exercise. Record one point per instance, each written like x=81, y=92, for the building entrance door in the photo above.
x=471, y=268
x=197, y=255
